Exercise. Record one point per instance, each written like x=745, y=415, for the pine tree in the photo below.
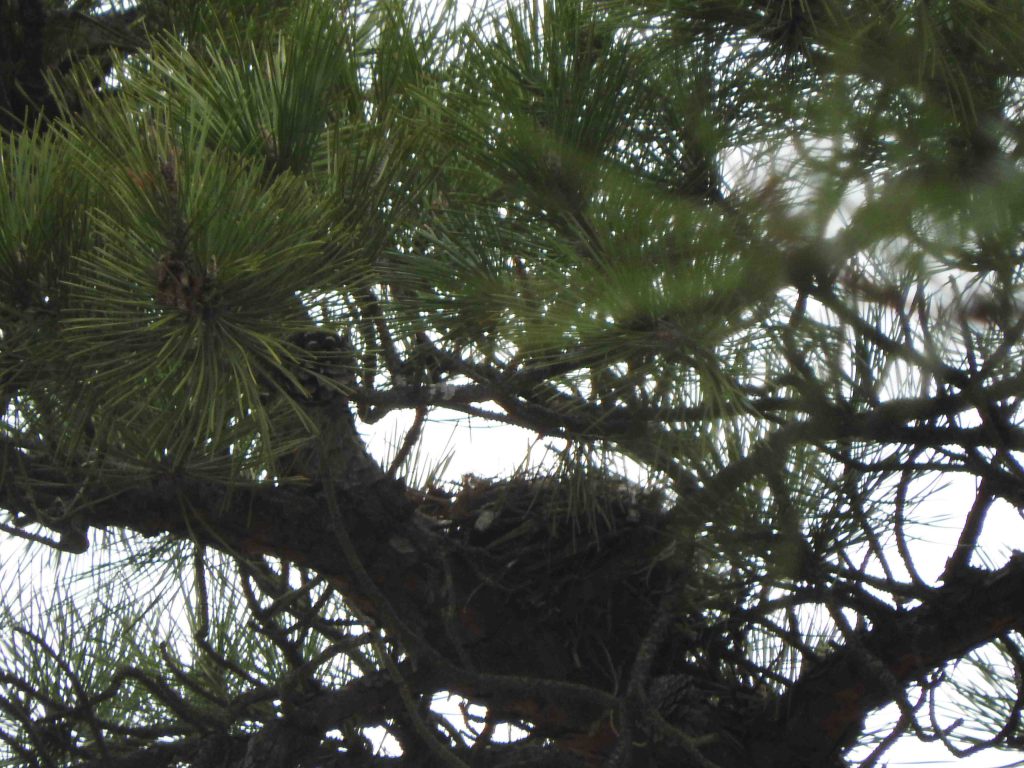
x=750, y=269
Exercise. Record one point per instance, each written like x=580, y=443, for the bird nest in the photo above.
x=561, y=545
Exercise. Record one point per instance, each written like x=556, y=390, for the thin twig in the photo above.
x=410, y=440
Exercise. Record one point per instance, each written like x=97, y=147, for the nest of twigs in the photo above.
x=586, y=554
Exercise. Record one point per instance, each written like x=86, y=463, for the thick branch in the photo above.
x=823, y=713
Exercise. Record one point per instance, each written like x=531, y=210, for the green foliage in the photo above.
x=40, y=222
x=763, y=257
x=183, y=311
